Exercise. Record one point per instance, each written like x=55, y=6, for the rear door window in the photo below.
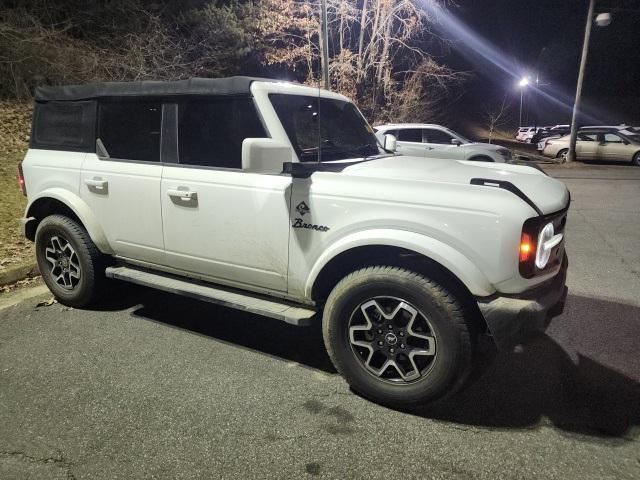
x=438, y=136
x=588, y=137
x=410, y=135
x=131, y=130
x=612, y=138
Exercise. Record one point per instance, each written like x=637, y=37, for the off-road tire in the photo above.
x=92, y=262
x=454, y=337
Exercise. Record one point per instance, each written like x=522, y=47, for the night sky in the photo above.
x=544, y=38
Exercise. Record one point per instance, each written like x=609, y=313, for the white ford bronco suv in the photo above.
x=278, y=199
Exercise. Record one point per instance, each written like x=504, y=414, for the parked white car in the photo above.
x=277, y=199
x=556, y=131
x=435, y=141
x=525, y=134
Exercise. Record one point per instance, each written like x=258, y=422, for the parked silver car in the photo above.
x=435, y=141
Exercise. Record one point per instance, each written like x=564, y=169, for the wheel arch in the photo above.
x=61, y=201
x=480, y=157
x=399, y=248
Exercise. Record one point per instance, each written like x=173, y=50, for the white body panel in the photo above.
x=235, y=229
x=48, y=169
x=434, y=210
x=127, y=206
x=412, y=149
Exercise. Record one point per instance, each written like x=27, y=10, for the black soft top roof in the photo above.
x=192, y=86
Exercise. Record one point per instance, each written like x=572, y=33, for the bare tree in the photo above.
x=376, y=52
x=497, y=115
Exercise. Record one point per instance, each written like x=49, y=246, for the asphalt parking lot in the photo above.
x=157, y=386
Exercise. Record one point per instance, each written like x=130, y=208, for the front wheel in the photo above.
x=636, y=159
x=396, y=336
x=70, y=264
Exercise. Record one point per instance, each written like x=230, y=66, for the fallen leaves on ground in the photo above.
x=27, y=282
x=46, y=303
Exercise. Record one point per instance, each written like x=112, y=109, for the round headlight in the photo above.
x=543, y=253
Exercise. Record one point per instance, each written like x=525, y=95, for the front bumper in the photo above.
x=512, y=319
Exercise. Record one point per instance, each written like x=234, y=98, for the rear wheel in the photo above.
x=636, y=159
x=562, y=154
x=70, y=263
x=397, y=337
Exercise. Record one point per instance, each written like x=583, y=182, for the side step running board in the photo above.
x=279, y=310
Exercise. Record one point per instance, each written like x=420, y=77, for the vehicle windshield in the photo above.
x=462, y=138
x=324, y=129
x=635, y=137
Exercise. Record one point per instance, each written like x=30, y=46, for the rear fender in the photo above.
x=79, y=207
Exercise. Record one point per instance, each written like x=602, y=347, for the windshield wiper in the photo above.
x=363, y=150
x=332, y=149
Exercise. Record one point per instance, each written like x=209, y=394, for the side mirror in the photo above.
x=390, y=143
x=456, y=142
x=264, y=155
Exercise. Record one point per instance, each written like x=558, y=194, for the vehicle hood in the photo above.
x=548, y=194
x=484, y=146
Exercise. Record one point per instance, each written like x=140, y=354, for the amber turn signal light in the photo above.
x=527, y=248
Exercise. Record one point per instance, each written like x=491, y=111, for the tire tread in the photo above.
x=443, y=299
x=92, y=270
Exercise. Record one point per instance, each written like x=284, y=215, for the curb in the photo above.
x=19, y=272
x=21, y=294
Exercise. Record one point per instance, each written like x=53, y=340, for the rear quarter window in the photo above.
x=64, y=126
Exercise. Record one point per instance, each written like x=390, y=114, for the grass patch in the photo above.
x=15, y=250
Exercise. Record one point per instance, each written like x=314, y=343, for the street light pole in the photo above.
x=324, y=44
x=521, y=91
x=522, y=84
x=571, y=154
